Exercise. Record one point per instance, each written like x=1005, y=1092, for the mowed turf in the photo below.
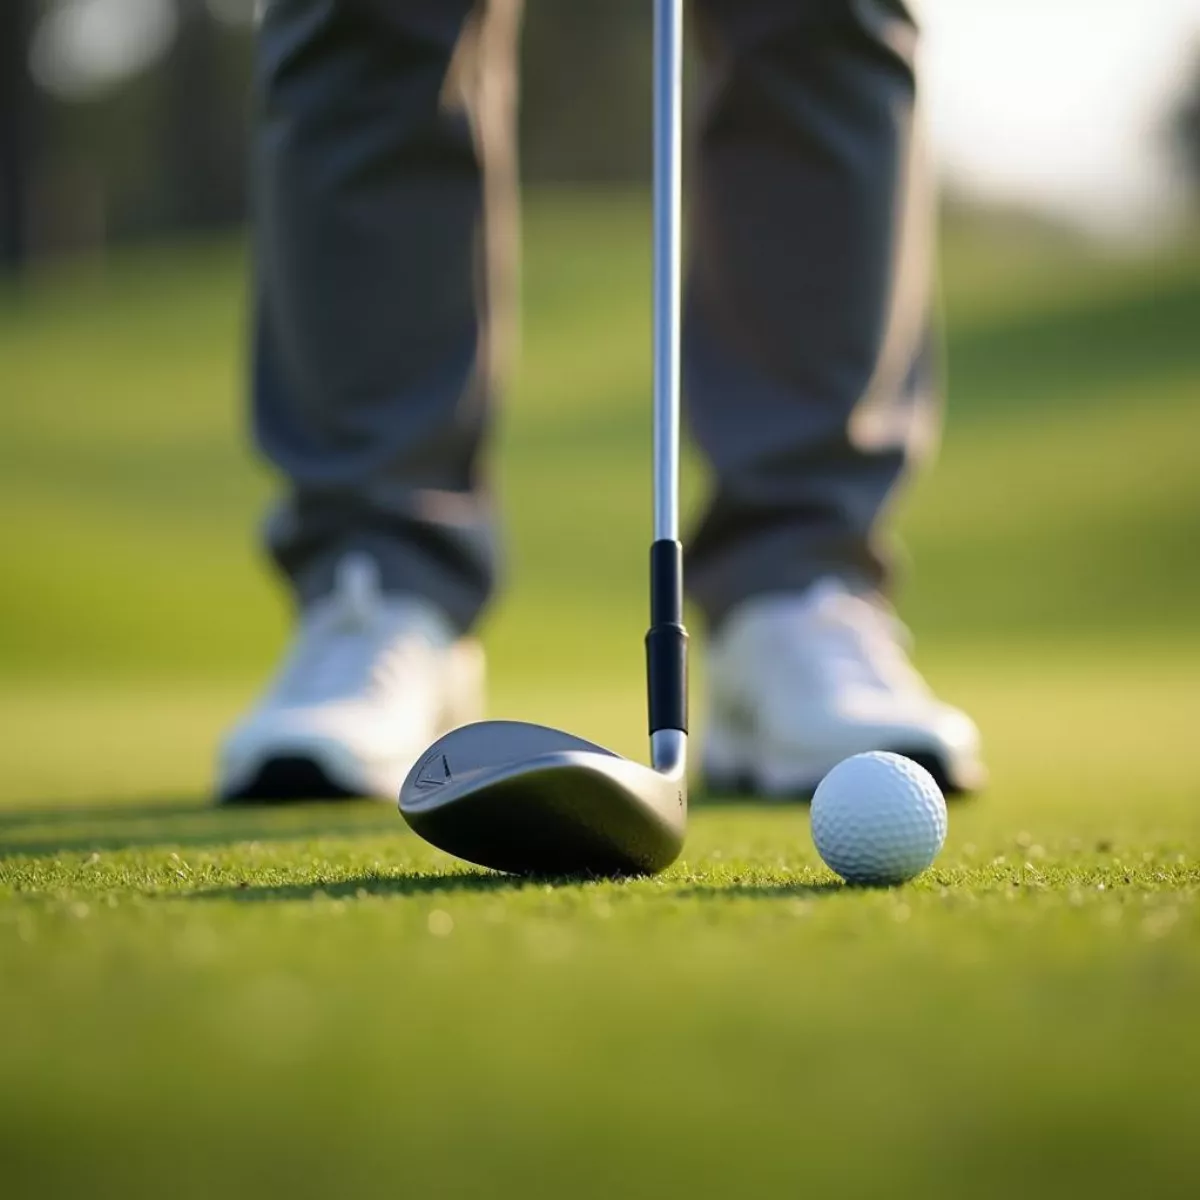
x=204, y=1003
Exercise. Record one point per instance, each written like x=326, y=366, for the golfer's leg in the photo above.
x=384, y=254
x=807, y=342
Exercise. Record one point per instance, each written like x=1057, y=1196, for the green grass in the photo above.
x=311, y=1002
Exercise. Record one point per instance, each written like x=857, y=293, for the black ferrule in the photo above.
x=666, y=643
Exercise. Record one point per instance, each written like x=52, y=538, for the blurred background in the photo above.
x=127, y=118
x=1061, y=520
x=728, y=1030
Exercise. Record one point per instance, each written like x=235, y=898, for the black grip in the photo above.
x=666, y=643
x=666, y=676
x=666, y=583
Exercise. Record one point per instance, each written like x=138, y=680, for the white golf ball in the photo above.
x=878, y=818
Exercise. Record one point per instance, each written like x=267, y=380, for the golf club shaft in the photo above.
x=668, y=190
x=666, y=643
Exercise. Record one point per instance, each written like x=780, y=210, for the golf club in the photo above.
x=528, y=799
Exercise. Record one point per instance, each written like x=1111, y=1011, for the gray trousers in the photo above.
x=386, y=257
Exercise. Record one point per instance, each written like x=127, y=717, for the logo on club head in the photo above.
x=434, y=772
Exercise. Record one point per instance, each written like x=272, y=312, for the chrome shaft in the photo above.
x=668, y=253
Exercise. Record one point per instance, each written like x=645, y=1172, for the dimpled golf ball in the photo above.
x=878, y=818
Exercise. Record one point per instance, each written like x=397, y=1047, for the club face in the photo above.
x=531, y=800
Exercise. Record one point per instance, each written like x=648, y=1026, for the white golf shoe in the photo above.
x=369, y=681
x=798, y=682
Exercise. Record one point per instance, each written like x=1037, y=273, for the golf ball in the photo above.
x=878, y=818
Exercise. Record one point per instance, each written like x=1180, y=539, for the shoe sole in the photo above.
x=743, y=783
x=302, y=772
x=288, y=780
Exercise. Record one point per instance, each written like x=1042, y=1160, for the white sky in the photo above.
x=1056, y=102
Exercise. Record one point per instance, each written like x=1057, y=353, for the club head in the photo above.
x=531, y=800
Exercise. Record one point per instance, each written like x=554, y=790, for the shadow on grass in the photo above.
x=425, y=883
x=1009, y=368
x=421, y=883
x=42, y=830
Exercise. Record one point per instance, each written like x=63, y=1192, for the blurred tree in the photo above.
x=1185, y=127
x=154, y=139
x=149, y=139
x=203, y=128
x=17, y=101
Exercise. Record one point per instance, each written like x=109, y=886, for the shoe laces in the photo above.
x=863, y=642
x=354, y=644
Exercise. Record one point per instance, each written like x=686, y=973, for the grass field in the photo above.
x=311, y=1003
